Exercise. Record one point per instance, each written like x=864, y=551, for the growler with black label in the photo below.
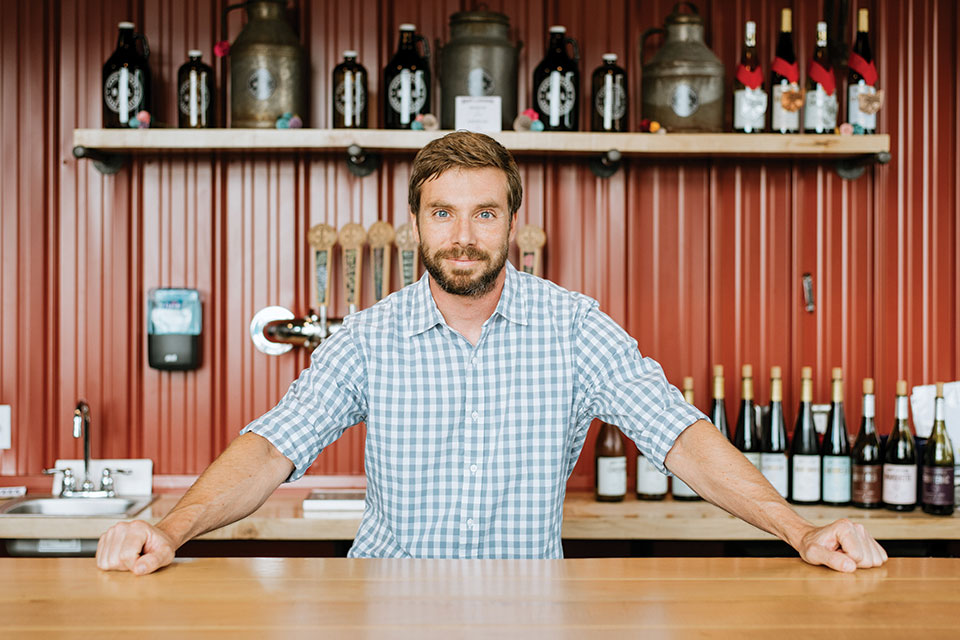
x=126, y=79
x=349, y=93
x=406, y=81
x=556, y=84
x=195, y=94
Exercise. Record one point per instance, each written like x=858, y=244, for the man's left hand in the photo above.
x=843, y=546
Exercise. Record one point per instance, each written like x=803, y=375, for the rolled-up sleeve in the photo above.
x=625, y=389
x=328, y=397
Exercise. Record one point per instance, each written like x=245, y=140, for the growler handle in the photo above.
x=576, y=47
x=643, y=40
x=143, y=42
x=426, y=45
x=223, y=18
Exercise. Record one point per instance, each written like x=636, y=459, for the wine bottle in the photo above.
x=680, y=489
x=867, y=462
x=126, y=79
x=718, y=411
x=556, y=84
x=651, y=484
x=773, y=443
x=406, y=81
x=195, y=94
x=804, y=450
x=900, y=460
x=938, y=491
x=786, y=98
x=609, y=112
x=749, y=98
x=837, y=465
x=821, y=104
x=746, y=438
x=349, y=93
x=611, y=464
x=862, y=77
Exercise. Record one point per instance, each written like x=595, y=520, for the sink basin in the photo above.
x=123, y=507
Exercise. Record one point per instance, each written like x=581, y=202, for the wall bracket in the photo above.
x=106, y=163
x=361, y=162
x=607, y=164
x=853, y=168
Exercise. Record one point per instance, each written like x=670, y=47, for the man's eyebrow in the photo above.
x=437, y=204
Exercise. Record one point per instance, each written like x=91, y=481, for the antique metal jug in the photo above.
x=683, y=83
x=479, y=60
x=268, y=67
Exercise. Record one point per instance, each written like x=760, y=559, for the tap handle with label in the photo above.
x=407, y=254
x=352, y=237
x=380, y=236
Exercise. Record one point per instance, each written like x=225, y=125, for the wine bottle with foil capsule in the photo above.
x=556, y=83
x=805, y=463
x=349, y=93
x=126, y=79
x=749, y=98
x=406, y=81
x=773, y=442
x=611, y=464
x=196, y=93
x=866, y=454
x=718, y=410
x=680, y=489
x=862, y=78
x=609, y=111
x=820, y=104
x=900, y=459
x=938, y=471
x=835, y=449
x=785, y=96
x=747, y=439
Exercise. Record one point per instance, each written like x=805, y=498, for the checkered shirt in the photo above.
x=469, y=448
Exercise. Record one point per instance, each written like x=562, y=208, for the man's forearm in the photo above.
x=719, y=473
x=231, y=488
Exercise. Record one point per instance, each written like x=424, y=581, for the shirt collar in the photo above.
x=423, y=314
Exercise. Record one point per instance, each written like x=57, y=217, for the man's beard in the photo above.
x=459, y=282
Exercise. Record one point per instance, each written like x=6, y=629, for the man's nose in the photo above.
x=464, y=232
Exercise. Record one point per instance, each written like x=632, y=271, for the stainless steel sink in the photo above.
x=50, y=506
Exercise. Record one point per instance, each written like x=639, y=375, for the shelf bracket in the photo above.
x=105, y=163
x=853, y=168
x=360, y=162
x=607, y=164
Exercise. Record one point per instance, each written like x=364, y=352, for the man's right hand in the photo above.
x=136, y=546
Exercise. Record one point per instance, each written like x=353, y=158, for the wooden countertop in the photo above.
x=282, y=518
x=583, y=598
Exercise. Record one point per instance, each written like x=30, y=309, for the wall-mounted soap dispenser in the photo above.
x=174, y=324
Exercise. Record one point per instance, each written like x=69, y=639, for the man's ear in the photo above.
x=414, y=222
x=513, y=226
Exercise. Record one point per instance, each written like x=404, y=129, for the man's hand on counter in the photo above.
x=136, y=546
x=841, y=545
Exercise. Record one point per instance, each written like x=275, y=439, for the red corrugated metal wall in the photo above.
x=700, y=260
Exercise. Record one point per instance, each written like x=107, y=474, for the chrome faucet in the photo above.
x=81, y=426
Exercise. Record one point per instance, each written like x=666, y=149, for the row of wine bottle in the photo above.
x=806, y=470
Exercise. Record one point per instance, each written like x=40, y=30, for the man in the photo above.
x=477, y=385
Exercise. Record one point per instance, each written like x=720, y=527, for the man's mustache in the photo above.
x=470, y=253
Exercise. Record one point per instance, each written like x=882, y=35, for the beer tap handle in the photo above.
x=407, y=254
x=530, y=240
x=352, y=237
x=380, y=238
x=322, y=237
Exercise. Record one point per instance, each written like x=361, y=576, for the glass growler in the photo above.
x=126, y=79
x=609, y=104
x=349, y=93
x=406, y=81
x=556, y=84
x=195, y=93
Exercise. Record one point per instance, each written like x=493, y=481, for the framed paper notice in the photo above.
x=480, y=113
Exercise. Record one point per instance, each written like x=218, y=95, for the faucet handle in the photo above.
x=106, y=479
x=69, y=482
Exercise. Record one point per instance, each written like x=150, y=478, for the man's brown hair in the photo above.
x=464, y=149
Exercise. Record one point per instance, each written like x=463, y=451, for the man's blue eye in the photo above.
x=486, y=214
x=441, y=213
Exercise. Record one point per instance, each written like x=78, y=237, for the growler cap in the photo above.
x=194, y=53
x=407, y=26
x=350, y=53
x=558, y=29
x=609, y=57
x=901, y=387
x=751, y=28
x=125, y=25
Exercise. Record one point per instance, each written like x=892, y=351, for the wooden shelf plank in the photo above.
x=676, y=144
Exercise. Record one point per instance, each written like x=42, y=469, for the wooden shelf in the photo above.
x=633, y=144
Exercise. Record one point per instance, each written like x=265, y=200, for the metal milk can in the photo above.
x=683, y=83
x=479, y=60
x=268, y=67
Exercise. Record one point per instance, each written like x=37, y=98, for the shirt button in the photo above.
x=473, y=361
x=473, y=468
x=475, y=416
x=470, y=522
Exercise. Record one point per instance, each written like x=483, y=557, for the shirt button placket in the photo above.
x=473, y=446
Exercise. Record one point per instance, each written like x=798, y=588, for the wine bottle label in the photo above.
x=806, y=478
x=681, y=489
x=820, y=111
x=611, y=100
x=749, y=109
x=261, y=84
x=753, y=457
x=556, y=96
x=351, y=99
x=782, y=119
x=650, y=481
x=773, y=466
x=612, y=476
x=854, y=114
x=900, y=483
x=684, y=100
x=407, y=94
x=867, y=483
x=938, y=486
x=123, y=97
x=837, y=478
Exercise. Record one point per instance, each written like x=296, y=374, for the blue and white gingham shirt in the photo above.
x=468, y=449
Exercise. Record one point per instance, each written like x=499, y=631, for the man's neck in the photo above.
x=464, y=314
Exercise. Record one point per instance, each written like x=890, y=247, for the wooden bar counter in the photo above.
x=587, y=598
